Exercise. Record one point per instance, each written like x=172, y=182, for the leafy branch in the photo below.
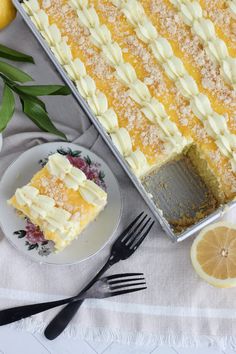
x=33, y=107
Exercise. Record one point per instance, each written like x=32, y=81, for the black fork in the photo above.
x=113, y=285
x=125, y=245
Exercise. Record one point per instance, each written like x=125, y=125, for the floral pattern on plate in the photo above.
x=34, y=239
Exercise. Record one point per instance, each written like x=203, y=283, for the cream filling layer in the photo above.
x=214, y=123
x=43, y=208
x=215, y=47
x=125, y=72
x=87, y=87
x=60, y=167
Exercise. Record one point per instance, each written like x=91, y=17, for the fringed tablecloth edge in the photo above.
x=102, y=334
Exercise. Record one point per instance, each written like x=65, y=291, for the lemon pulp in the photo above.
x=213, y=254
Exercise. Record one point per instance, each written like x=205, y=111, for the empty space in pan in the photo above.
x=180, y=193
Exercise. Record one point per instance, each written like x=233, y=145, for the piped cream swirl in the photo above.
x=125, y=72
x=84, y=83
x=60, y=167
x=216, y=48
x=214, y=123
x=43, y=207
x=232, y=6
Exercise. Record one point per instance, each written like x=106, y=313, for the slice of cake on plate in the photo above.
x=60, y=200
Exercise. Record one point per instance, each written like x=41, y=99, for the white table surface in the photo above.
x=22, y=342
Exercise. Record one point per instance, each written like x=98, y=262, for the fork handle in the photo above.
x=18, y=313
x=63, y=318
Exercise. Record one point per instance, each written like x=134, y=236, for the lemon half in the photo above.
x=7, y=13
x=213, y=254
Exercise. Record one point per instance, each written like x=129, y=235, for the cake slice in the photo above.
x=60, y=200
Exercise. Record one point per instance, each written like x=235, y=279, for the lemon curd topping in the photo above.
x=159, y=75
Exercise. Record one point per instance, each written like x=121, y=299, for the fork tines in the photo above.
x=136, y=233
x=119, y=284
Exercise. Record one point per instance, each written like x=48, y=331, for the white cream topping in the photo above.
x=125, y=72
x=43, y=208
x=63, y=53
x=136, y=159
x=60, y=167
x=138, y=162
x=232, y=6
x=98, y=103
x=31, y=6
x=176, y=71
x=109, y=120
x=122, y=141
x=75, y=68
x=113, y=54
x=216, y=48
x=161, y=49
x=174, y=68
x=133, y=14
x=187, y=86
x=88, y=17
x=77, y=71
x=78, y=4
x=86, y=86
x=50, y=32
x=229, y=70
x=101, y=37
x=26, y=195
x=140, y=92
x=92, y=193
x=145, y=31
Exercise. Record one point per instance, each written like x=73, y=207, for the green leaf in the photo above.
x=12, y=54
x=31, y=98
x=43, y=90
x=7, y=108
x=14, y=87
x=76, y=153
x=88, y=160
x=13, y=73
x=20, y=233
x=32, y=246
x=62, y=152
x=101, y=175
x=38, y=101
x=39, y=116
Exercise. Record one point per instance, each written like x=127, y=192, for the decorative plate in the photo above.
x=28, y=238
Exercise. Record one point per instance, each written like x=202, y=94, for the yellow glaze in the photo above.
x=103, y=36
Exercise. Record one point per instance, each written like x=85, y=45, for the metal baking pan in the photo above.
x=173, y=192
